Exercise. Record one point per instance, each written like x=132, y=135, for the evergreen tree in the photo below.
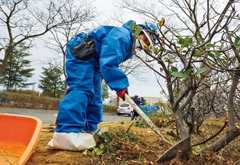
x=18, y=69
x=51, y=82
x=105, y=93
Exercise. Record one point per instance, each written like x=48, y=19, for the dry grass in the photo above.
x=138, y=146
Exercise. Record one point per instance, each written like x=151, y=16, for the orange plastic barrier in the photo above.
x=18, y=137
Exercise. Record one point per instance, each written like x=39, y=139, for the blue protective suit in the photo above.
x=137, y=100
x=81, y=108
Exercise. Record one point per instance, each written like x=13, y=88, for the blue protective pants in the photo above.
x=81, y=108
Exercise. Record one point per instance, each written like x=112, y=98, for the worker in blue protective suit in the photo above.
x=137, y=101
x=80, y=111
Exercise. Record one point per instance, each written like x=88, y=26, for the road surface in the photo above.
x=47, y=116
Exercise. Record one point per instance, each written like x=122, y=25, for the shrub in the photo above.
x=109, y=108
x=31, y=100
x=27, y=92
x=19, y=100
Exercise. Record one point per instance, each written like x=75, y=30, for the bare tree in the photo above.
x=230, y=64
x=24, y=20
x=84, y=14
x=186, y=45
x=81, y=12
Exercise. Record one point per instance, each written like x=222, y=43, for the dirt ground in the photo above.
x=137, y=146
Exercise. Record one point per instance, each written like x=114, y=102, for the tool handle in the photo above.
x=145, y=118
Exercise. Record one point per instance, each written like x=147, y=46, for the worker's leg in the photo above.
x=72, y=108
x=134, y=115
x=94, y=108
x=71, y=119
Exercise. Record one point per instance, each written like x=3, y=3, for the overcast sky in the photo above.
x=41, y=55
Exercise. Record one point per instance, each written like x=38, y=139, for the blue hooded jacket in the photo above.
x=113, y=46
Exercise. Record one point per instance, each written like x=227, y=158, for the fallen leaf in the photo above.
x=85, y=152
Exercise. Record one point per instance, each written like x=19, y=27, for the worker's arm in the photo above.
x=114, y=48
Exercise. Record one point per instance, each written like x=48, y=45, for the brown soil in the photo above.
x=138, y=146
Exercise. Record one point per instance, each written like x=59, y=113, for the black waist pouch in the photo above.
x=84, y=50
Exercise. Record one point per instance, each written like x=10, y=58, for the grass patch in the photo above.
x=137, y=146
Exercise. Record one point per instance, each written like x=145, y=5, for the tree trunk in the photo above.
x=223, y=141
x=181, y=124
x=118, y=100
x=233, y=131
x=64, y=72
x=230, y=106
x=193, y=128
x=5, y=60
x=65, y=88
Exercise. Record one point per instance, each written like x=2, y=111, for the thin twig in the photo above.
x=129, y=127
x=213, y=136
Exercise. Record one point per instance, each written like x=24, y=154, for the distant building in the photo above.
x=153, y=100
x=150, y=100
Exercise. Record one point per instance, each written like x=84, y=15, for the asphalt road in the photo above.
x=47, y=116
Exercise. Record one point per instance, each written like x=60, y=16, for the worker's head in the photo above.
x=147, y=35
x=148, y=29
x=144, y=38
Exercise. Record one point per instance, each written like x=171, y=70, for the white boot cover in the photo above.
x=71, y=141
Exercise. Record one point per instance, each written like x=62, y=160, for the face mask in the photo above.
x=139, y=45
